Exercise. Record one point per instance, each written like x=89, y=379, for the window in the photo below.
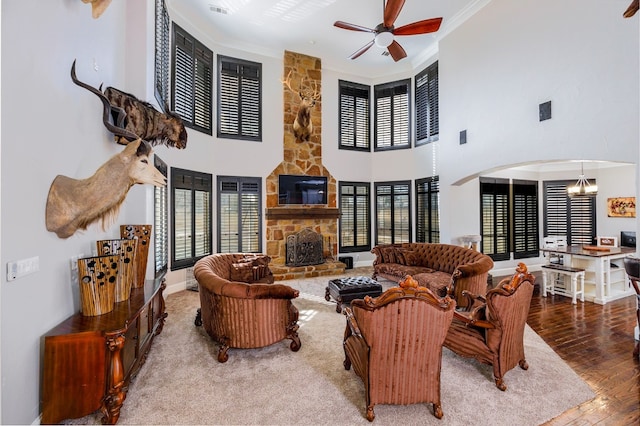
x=494, y=217
x=160, y=222
x=192, y=81
x=392, y=115
x=427, y=118
x=162, y=54
x=354, y=116
x=239, y=219
x=525, y=219
x=574, y=217
x=428, y=210
x=191, y=219
x=239, y=99
x=393, y=212
x=355, y=216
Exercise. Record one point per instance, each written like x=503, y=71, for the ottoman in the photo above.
x=344, y=290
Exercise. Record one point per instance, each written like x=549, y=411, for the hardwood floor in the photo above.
x=597, y=342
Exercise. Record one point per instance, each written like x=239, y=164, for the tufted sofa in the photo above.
x=240, y=307
x=443, y=268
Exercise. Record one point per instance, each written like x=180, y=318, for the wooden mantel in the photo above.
x=275, y=213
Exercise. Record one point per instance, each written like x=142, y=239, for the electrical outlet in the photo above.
x=22, y=267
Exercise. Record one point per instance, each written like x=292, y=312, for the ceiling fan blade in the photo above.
x=352, y=27
x=391, y=12
x=362, y=50
x=396, y=51
x=420, y=27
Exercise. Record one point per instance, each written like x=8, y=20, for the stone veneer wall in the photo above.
x=300, y=158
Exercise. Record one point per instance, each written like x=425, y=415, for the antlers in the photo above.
x=307, y=93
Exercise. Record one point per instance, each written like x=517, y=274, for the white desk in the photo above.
x=605, y=277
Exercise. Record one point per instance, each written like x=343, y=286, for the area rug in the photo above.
x=183, y=383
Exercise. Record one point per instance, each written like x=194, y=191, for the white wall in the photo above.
x=494, y=71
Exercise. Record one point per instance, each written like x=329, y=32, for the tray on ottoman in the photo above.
x=344, y=290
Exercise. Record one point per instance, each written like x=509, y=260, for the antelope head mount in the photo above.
x=97, y=7
x=74, y=204
x=302, y=126
x=632, y=9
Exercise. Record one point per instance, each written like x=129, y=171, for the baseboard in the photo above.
x=174, y=288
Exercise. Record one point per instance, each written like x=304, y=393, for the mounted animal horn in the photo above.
x=118, y=131
x=133, y=118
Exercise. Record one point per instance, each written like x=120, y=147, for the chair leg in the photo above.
x=370, y=414
x=500, y=384
x=437, y=410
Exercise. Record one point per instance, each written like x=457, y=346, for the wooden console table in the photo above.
x=88, y=362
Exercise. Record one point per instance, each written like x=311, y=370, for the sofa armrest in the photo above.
x=480, y=266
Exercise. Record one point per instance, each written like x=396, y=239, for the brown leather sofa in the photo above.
x=240, y=307
x=443, y=268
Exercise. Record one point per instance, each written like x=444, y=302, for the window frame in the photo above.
x=394, y=187
x=160, y=221
x=384, y=91
x=356, y=214
x=354, y=91
x=429, y=231
x=426, y=101
x=240, y=101
x=161, y=62
x=243, y=185
x=206, y=186
x=192, y=62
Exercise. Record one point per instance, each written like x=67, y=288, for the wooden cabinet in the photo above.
x=88, y=362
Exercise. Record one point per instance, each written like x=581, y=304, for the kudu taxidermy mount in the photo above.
x=133, y=118
x=302, y=126
x=74, y=204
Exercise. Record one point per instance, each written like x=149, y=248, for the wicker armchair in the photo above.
x=493, y=331
x=244, y=314
x=394, y=343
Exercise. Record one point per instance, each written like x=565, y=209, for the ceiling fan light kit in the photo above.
x=385, y=32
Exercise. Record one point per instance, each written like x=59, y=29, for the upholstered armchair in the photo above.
x=493, y=330
x=251, y=313
x=394, y=343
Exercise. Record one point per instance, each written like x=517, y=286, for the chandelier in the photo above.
x=582, y=188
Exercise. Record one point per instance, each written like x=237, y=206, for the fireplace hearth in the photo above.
x=304, y=248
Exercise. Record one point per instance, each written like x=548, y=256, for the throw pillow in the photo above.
x=388, y=255
x=242, y=272
x=411, y=258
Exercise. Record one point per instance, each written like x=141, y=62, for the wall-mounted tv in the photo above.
x=296, y=189
x=628, y=239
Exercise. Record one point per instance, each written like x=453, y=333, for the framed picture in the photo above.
x=621, y=207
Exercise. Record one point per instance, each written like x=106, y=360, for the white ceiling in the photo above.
x=269, y=27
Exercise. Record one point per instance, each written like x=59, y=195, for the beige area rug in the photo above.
x=183, y=383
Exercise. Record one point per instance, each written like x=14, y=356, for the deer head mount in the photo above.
x=302, y=126
x=97, y=7
x=74, y=204
x=133, y=118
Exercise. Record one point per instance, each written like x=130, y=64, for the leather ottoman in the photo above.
x=344, y=290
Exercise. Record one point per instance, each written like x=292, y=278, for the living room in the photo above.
x=495, y=69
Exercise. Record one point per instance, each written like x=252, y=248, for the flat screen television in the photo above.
x=628, y=239
x=296, y=189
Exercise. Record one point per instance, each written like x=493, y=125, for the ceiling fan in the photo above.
x=385, y=31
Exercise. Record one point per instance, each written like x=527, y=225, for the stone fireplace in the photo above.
x=301, y=158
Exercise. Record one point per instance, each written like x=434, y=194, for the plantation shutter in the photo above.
x=160, y=221
x=239, y=220
x=354, y=216
x=427, y=210
x=574, y=217
x=192, y=81
x=239, y=99
x=494, y=220
x=354, y=116
x=162, y=54
x=427, y=116
x=525, y=219
x=392, y=115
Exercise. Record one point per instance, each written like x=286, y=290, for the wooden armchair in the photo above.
x=394, y=343
x=493, y=330
x=632, y=268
